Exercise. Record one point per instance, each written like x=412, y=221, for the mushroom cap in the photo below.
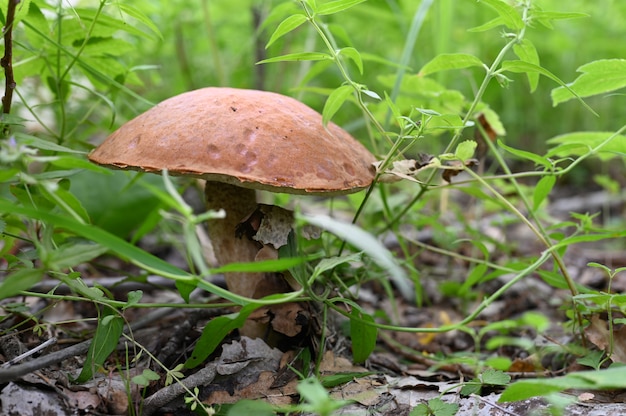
x=249, y=138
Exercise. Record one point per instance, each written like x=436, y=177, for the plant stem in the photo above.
x=7, y=60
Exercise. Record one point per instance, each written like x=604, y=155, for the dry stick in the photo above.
x=17, y=371
x=7, y=60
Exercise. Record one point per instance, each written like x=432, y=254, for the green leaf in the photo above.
x=598, y=77
x=332, y=262
x=137, y=14
x=145, y=377
x=301, y=56
x=73, y=254
x=335, y=101
x=365, y=242
x=508, y=15
x=116, y=244
x=465, y=150
x=493, y=23
x=448, y=61
x=250, y=407
x=286, y=26
x=474, y=277
x=20, y=280
x=606, y=379
x=495, y=377
x=108, y=332
x=526, y=51
x=337, y=6
x=580, y=143
x=39, y=143
x=362, y=334
x=542, y=190
x=64, y=200
x=523, y=154
x=354, y=55
x=338, y=379
x=525, y=67
x=435, y=407
x=264, y=266
x=546, y=17
x=214, y=332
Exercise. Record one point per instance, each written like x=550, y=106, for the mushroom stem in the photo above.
x=238, y=203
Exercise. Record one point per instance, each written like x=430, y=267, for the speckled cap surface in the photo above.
x=250, y=138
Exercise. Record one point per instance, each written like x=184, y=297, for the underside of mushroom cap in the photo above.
x=249, y=138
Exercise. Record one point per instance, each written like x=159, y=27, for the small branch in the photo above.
x=7, y=60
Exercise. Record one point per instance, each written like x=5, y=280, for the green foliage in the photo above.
x=104, y=342
x=435, y=407
x=414, y=90
x=612, y=378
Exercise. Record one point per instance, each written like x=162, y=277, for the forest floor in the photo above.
x=406, y=368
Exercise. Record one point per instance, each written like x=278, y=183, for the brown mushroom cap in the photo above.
x=249, y=138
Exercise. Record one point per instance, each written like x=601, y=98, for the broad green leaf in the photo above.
x=510, y=16
x=337, y=6
x=7, y=174
x=145, y=377
x=495, y=377
x=20, y=280
x=214, y=332
x=580, y=143
x=465, y=150
x=334, y=102
x=526, y=51
x=523, y=154
x=598, y=77
x=355, y=56
x=301, y=56
x=542, y=190
x=286, y=26
x=366, y=242
x=362, y=335
x=605, y=379
x=526, y=67
x=108, y=332
x=448, y=61
x=118, y=201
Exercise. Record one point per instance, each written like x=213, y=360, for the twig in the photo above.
x=17, y=371
x=7, y=60
x=165, y=395
x=29, y=353
x=500, y=408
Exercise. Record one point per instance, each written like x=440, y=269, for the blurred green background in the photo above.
x=217, y=43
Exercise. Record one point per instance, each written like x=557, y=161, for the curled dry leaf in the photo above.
x=405, y=169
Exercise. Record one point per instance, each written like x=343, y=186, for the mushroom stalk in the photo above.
x=237, y=202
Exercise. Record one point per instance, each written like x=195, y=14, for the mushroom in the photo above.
x=240, y=141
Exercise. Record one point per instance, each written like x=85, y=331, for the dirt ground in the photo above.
x=406, y=369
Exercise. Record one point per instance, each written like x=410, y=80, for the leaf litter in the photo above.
x=406, y=370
